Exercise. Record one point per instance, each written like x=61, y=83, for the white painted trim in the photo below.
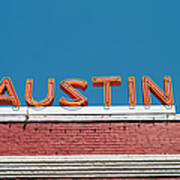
x=117, y=157
x=90, y=166
x=88, y=110
x=88, y=114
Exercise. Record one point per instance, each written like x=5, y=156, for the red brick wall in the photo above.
x=89, y=138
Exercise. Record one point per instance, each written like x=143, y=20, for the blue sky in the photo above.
x=61, y=39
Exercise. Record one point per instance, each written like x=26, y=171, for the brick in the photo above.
x=89, y=138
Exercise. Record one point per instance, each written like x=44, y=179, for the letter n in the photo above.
x=166, y=97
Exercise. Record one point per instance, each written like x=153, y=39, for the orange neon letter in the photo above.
x=6, y=85
x=132, y=93
x=78, y=99
x=47, y=101
x=166, y=98
x=107, y=82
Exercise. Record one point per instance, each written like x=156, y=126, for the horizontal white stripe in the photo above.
x=87, y=110
x=87, y=114
x=90, y=166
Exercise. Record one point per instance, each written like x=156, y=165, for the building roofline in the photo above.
x=88, y=114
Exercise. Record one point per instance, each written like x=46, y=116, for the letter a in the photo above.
x=11, y=98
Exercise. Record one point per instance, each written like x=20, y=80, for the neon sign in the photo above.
x=70, y=86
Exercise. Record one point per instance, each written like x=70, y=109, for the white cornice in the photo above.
x=93, y=166
x=88, y=114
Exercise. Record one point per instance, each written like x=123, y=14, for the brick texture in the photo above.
x=89, y=138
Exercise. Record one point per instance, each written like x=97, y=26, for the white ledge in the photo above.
x=87, y=114
x=92, y=166
x=88, y=110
